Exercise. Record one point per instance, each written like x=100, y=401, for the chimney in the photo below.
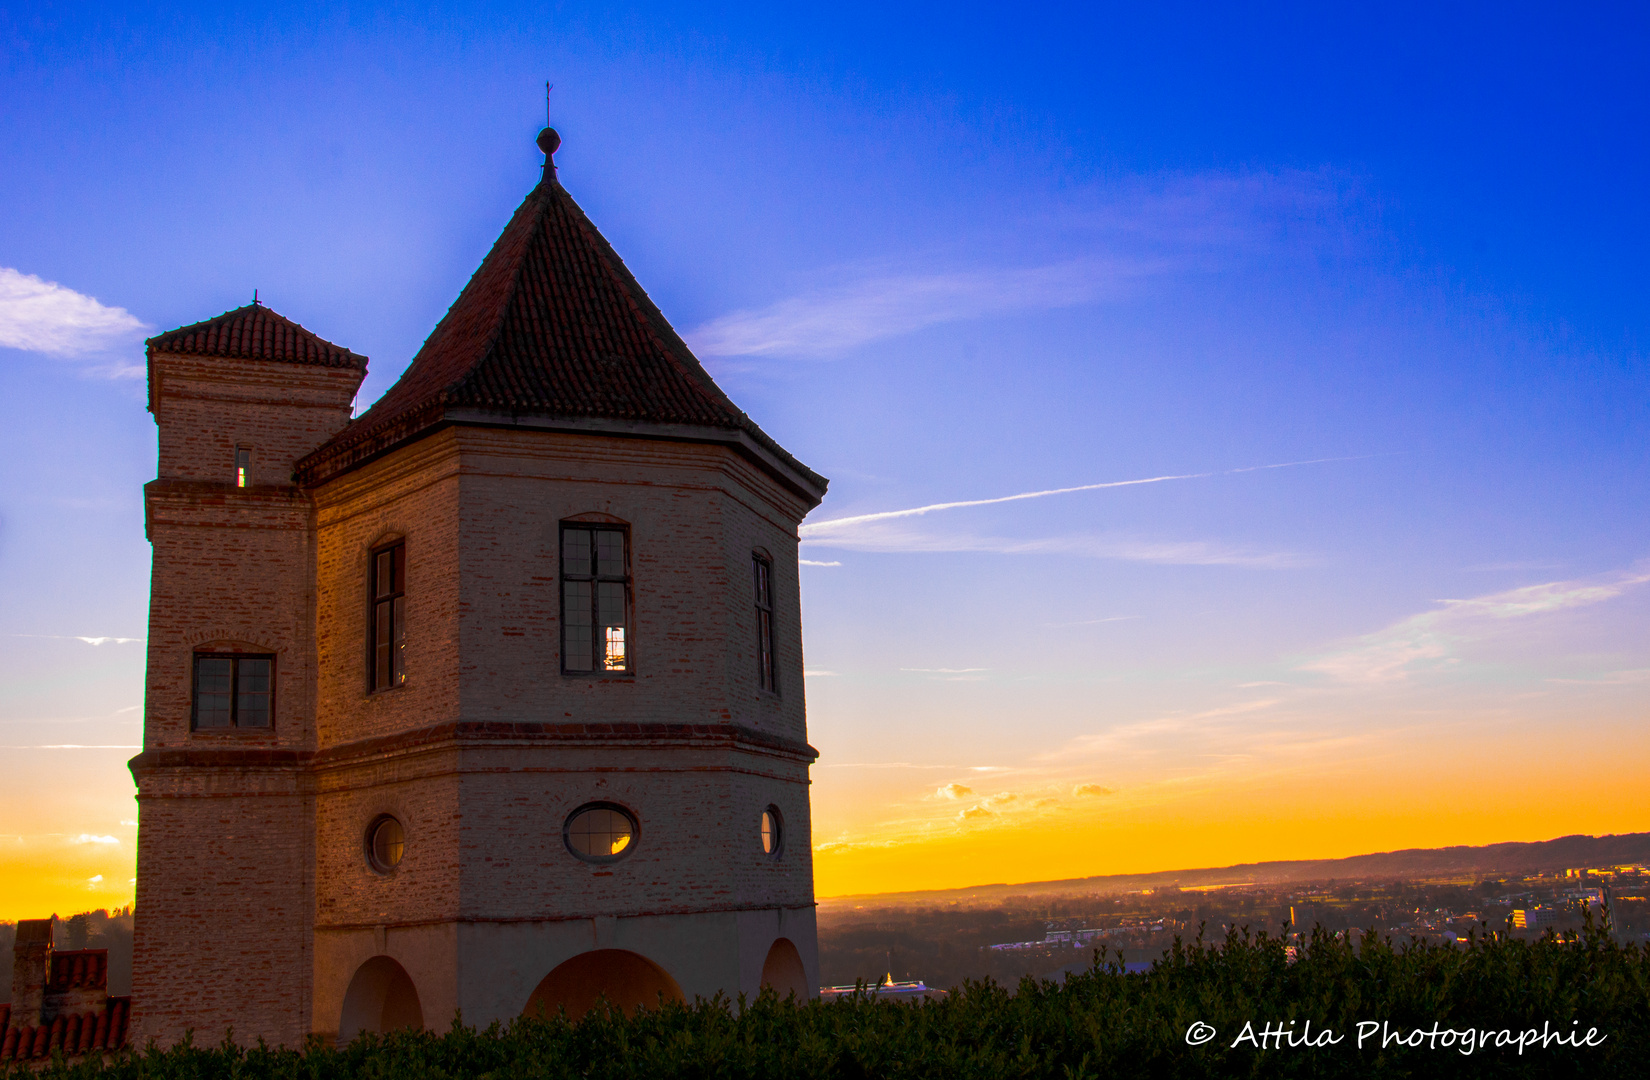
x=31, y=961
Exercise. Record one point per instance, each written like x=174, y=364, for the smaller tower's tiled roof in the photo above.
x=254, y=332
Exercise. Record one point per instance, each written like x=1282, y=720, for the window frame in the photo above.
x=243, y=466
x=234, y=658
x=601, y=860
x=767, y=666
x=778, y=832
x=396, y=600
x=597, y=650
x=370, y=844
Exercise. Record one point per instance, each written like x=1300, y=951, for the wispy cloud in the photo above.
x=76, y=746
x=945, y=670
x=954, y=791
x=1187, y=729
x=1129, y=238
x=1429, y=640
x=831, y=321
x=890, y=538
x=88, y=838
x=1089, y=622
x=818, y=674
x=879, y=765
x=815, y=562
x=1089, y=791
x=105, y=640
x=44, y=317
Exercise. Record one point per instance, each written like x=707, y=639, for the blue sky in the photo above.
x=943, y=254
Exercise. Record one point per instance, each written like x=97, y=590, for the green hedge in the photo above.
x=1102, y=1023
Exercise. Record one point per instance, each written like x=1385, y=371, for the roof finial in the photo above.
x=254, y=297
x=548, y=140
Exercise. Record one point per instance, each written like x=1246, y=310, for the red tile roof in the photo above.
x=254, y=332
x=552, y=325
x=73, y=1034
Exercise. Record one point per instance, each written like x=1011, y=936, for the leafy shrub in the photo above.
x=1099, y=1024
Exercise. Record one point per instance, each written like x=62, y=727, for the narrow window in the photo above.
x=595, y=598
x=772, y=832
x=762, y=571
x=387, y=632
x=233, y=691
x=243, y=466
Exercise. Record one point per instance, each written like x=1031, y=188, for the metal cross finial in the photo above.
x=548, y=86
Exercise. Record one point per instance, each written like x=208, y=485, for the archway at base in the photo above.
x=783, y=970
x=381, y=997
x=626, y=979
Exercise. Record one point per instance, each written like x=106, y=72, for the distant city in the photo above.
x=908, y=947
x=1047, y=929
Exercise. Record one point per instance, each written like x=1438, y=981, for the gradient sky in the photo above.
x=1359, y=292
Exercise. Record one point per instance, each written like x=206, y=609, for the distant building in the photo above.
x=60, y=999
x=888, y=989
x=1534, y=918
x=486, y=701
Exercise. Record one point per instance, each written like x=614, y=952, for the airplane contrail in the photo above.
x=884, y=515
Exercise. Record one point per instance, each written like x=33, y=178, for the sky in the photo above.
x=1235, y=418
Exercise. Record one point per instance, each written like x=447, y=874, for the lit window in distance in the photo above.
x=600, y=833
x=770, y=832
x=386, y=842
x=243, y=466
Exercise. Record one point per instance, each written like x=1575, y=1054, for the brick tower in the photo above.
x=487, y=701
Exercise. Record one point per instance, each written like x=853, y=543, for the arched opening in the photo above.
x=381, y=997
x=783, y=970
x=625, y=979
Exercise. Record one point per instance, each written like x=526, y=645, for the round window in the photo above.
x=600, y=832
x=773, y=832
x=386, y=842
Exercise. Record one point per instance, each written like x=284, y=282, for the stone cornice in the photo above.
x=469, y=734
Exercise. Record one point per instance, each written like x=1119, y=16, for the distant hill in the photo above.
x=1543, y=855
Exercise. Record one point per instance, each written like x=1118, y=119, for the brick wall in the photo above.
x=252, y=842
x=225, y=848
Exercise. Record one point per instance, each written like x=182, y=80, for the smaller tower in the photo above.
x=225, y=863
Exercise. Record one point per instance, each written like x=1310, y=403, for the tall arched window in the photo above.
x=595, y=598
x=387, y=630
x=762, y=574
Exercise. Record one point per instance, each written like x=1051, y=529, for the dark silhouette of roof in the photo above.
x=254, y=332
x=551, y=326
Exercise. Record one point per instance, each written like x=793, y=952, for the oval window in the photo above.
x=600, y=832
x=772, y=832
x=386, y=842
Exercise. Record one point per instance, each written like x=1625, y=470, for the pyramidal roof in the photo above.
x=552, y=331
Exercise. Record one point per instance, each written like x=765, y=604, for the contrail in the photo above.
x=820, y=526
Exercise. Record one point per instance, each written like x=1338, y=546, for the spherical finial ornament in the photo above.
x=548, y=140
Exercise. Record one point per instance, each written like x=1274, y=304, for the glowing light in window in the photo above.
x=771, y=833
x=386, y=841
x=600, y=832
